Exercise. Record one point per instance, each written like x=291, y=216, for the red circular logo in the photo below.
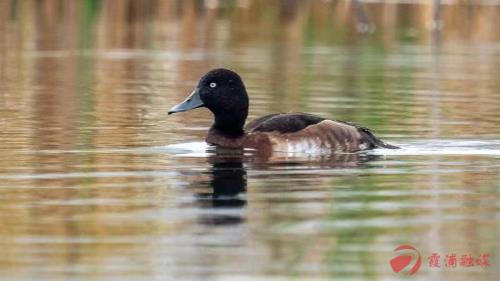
x=404, y=259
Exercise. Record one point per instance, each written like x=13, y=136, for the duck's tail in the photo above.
x=374, y=141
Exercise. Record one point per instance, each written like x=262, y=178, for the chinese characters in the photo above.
x=452, y=260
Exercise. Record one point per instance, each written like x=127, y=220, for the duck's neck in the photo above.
x=227, y=131
x=230, y=125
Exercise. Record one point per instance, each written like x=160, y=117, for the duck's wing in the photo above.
x=283, y=122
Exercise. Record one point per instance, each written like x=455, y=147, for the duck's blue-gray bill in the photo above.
x=192, y=102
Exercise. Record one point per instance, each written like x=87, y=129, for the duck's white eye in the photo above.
x=213, y=85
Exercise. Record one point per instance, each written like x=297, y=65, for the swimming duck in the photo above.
x=222, y=91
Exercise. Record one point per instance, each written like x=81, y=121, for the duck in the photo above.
x=223, y=92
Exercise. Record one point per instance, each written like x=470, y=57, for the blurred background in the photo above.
x=88, y=190
x=70, y=60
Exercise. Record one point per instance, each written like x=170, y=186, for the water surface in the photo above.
x=97, y=182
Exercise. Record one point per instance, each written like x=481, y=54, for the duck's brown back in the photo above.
x=283, y=122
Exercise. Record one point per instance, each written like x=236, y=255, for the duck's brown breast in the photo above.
x=226, y=141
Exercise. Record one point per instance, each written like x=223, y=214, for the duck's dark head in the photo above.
x=221, y=91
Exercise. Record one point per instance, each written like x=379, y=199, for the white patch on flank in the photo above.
x=301, y=146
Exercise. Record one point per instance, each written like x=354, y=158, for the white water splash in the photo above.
x=188, y=149
x=455, y=147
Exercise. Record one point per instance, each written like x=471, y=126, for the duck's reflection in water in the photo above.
x=263, y=161
x=224, y=195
